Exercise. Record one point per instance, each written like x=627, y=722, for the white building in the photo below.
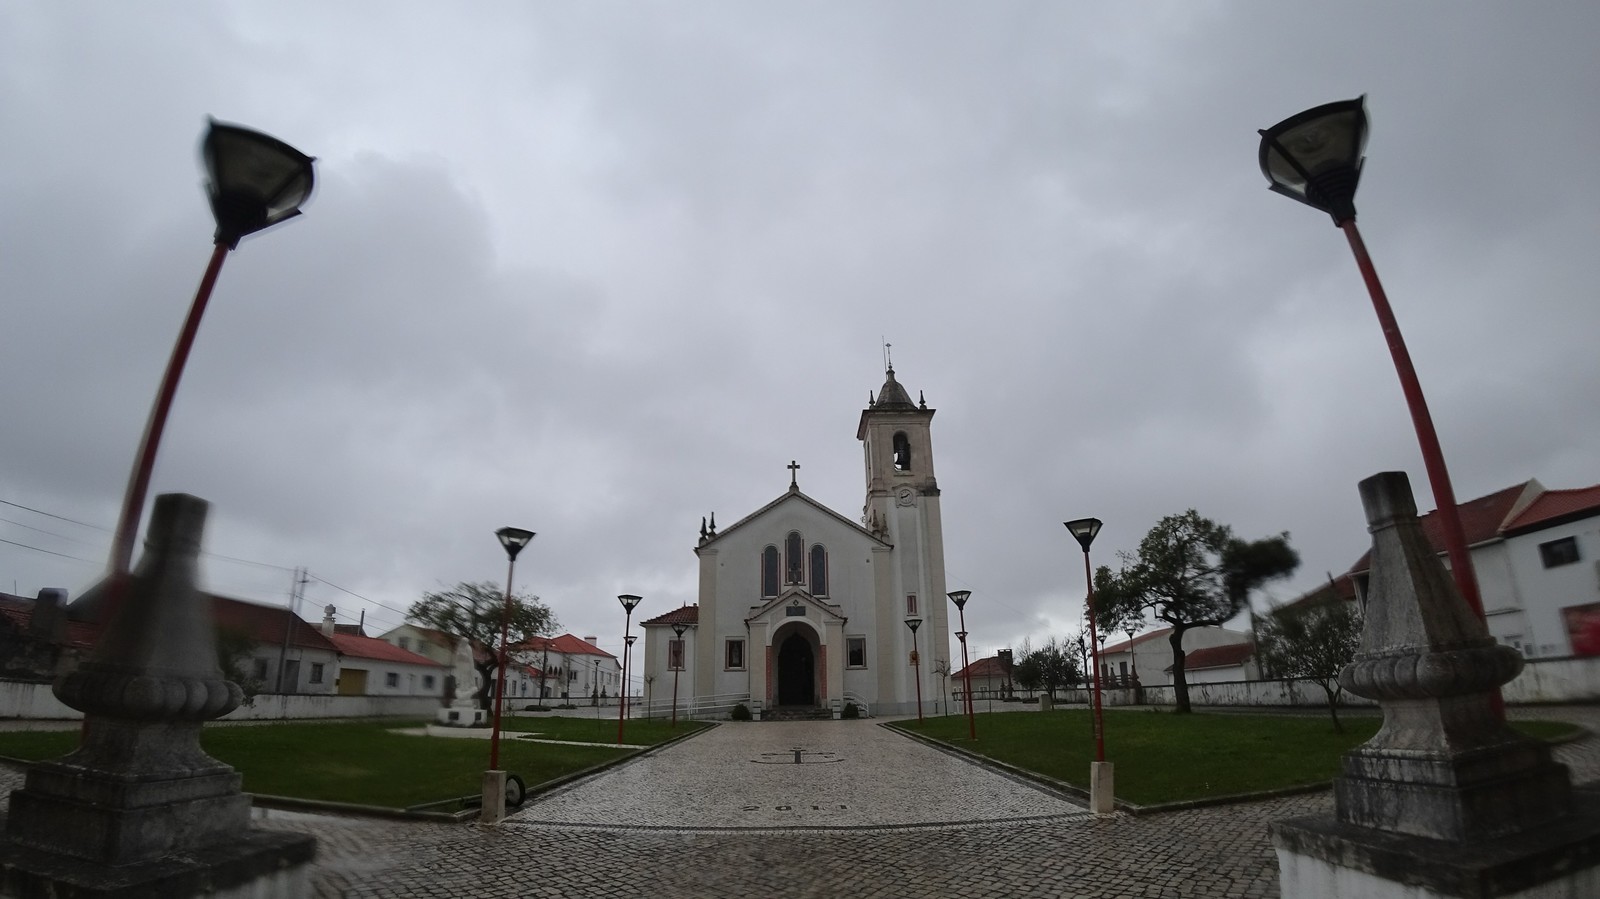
x=1149, y=656
x=802, y=607
x=569, y=669
x=1536, y=553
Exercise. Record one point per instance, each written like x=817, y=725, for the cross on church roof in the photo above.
x=794, y=468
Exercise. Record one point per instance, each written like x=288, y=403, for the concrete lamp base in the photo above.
x=1102, y=799
x=494, y=797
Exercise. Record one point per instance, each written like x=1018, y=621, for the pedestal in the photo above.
x=1102, y=799
x=494, y=797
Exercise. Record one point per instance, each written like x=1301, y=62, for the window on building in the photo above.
x=258, y=669
x=734, y=660
x=911, y=603
x=427, y=682
x=405, y=643
x=1559, y=552
x=316, y=672
x=391, y=680
x=769, y=571
x=794, y=554
x=819, y=571
x=675, y=654
x=902, y=452
x=855, y=652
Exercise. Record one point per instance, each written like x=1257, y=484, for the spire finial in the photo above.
x=922, y=401
x=888, y=356
x=794, y=469
x=713, y=524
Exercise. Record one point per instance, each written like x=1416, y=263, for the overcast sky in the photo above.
x=600, y=269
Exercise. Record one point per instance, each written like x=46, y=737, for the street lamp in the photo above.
x=1315, y=157
x=629, y=600
x=916, y=666
x=627, y=664
x=960, y=597
x=254, y=182
x=677, y=629
x=1100, y=790
x=513, y=539
x=594, y=687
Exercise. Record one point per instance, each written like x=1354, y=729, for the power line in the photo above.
x=47, y=551
x=53, y=515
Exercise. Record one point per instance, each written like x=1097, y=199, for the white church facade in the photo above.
x=800, y=607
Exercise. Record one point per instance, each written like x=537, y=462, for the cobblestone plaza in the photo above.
x=866, y=812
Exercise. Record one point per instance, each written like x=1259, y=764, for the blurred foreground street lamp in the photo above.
x=628, y=601
x=1315, y=157
x=495, y=779
x=254, y=182
x=960, y=598
x=513, y=539
x=1101, y=799
x=677, y=669
x=916, y=666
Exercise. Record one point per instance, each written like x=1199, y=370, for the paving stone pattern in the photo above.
x=634, y=831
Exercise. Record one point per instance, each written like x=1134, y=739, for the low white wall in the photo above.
x=20, y=699
x=1542, y=680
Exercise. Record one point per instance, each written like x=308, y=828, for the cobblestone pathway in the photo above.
x=718, y=816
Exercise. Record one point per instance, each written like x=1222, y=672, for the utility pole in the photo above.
x=296, y=591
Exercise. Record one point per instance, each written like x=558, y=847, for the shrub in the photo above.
x=566, y=705
x=536, y=708
x=850, y=710
x=741, y=712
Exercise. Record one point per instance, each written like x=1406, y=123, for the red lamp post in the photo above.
x=1315, y=157
x=513, y=539
x=254, y=182
x=960, y=597
x=628, y=601
x=677, y=668
x=1084, y=530
x=916, y=665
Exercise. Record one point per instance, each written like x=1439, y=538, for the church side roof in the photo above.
x=681, y=615
x=790, y=494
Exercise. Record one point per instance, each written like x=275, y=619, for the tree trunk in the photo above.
x=1333, y=706
x=488, y=674
x=1180, y=686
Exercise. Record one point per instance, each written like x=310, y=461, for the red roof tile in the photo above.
x=1481, y=520
x=1142, y=638
x=1228, y=655
x=1343, y=587
x=1554, y=507
x=680, y=615
x=565, y=643
x=372, y=648
x=989, y=667
x=19, y=611
x=267, y=624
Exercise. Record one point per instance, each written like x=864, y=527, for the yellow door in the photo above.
x=352, y=682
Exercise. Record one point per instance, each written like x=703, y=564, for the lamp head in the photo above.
x=514, y=539
x=254, y=181
x=630, y=638
x=1084, y=530
x=962, y=636
x=959, y=597
x=679, y=629
x=1315, y=157
x=913, y=623
x=628, y=601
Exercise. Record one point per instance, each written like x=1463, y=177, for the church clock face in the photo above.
x=906, y=496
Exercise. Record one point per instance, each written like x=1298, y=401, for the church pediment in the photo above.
x=795, y=603
x=792, y=496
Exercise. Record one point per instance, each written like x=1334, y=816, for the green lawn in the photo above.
x=368, y=764
x=1161, y=757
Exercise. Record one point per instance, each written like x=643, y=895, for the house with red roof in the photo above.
x=522, y=678
x=1226, y=663
x=571, y=669
x=371, y=667
x=1146, y=659
x=988, y=677
x=1536, y=553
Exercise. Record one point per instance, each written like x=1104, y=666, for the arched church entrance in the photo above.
x=797, y=668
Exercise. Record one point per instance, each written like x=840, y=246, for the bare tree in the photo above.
x=1314, y=644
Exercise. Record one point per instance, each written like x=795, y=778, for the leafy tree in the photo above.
x=1314, y=644
x=235, y=652
x=1050, y=667
x=1028, y=673
x=1190, y=572
x=476, y=612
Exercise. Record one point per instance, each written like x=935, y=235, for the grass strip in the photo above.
x=1161, y=757
x=367, y=763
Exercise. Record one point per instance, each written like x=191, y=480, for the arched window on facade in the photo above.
x=769, y=571
x=902, y=452
x=819, y=571
x=794, y=559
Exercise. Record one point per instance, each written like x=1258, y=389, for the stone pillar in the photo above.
x=139, y=808
x=1446, y=799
